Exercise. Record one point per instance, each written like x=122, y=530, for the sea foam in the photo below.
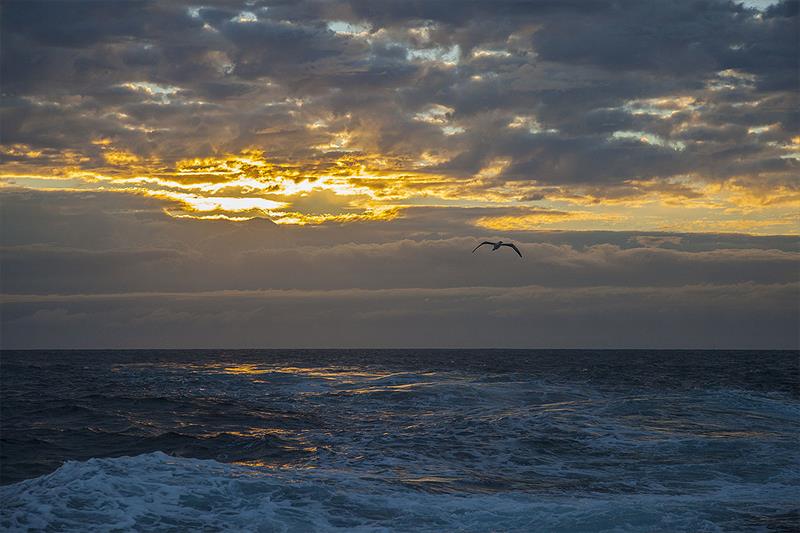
x=158, y=492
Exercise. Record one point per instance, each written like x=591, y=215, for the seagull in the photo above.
x=498, y=244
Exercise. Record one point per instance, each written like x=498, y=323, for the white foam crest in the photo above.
x=157, y=492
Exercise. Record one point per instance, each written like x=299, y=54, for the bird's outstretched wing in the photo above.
x=481, y=244
x=511, y=245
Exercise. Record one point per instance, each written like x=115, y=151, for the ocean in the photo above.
x=399, y=440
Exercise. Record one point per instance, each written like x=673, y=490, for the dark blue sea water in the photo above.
x=406, y=440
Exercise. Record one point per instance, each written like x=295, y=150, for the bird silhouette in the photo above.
x=498, y=244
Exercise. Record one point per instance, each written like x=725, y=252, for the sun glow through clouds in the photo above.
x=341, y=116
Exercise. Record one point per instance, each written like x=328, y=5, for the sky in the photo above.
x=315, y=174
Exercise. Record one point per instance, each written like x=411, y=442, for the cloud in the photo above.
x=396, y=264
x=585, y=101
x=68, y=279
x=172, y=162
x=741, y=316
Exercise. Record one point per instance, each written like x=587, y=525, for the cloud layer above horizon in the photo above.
x=103, y=269
x=238, y=173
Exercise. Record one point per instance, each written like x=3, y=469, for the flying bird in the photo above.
x=498, y=244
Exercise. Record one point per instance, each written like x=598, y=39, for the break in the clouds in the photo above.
x=166, y=165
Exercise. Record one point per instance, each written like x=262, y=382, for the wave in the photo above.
x=156, y=491
x=562, y=444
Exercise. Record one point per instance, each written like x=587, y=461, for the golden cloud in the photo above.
x=346, y=187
